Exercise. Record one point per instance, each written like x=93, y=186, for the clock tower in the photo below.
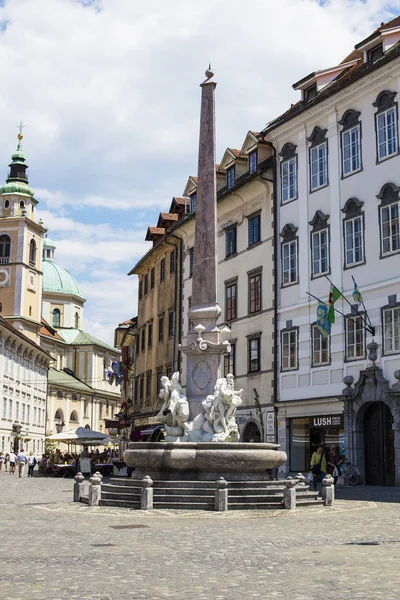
x=21, y=241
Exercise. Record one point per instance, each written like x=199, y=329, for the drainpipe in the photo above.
x=178, y=302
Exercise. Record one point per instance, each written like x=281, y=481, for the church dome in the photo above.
x=56, y=279
x=17, y=187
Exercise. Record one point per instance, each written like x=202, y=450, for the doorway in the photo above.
x=252, y=433
x=379, y=445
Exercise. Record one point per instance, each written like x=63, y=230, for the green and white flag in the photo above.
x=334, y=295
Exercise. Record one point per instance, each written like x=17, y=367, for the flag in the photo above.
x=334, y=294
x=323, y=325
x=356, y=293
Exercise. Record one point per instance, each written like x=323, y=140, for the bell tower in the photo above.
x=21, y=241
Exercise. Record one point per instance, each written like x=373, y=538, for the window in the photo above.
x=162, y=269
x=146, y=285
x=56, y=317
x=254, y=293
x=230, y=177
x=253, y=160
x=193, y=202
x=230, y=241
x=161, y=328
x=6, y=204
x=32, y=253
x=391, y=328
x=34, y=415
x=375, y=54
x=289, y=255
x=4, y=408
x=143, y=339
x=389, y=219
x=319, y=244
x=289, y=349
x=190, y=322
x=10, y=409
x=5, y=246
x=149, y=336
x=148, y=384
x=159, y=375
x=351, y=142
x=230, y=361
x=355, y=338
x=253, y=351
x=353, y=230
x=76, y=318
x=172, y=262
x=141, y=388
x=386, y=125
x=288, y=173
x=152, y=278
x=17, y=411
x=320, y=348
x=310, y=93
x=23, y=412
x=191, y=261
x=230, y=301
x=140, y=289
x=171, y=323
x=318, y=158
x=254, y=229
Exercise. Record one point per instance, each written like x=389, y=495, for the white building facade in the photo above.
x=338, y=183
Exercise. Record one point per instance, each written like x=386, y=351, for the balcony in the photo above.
x=5, y=260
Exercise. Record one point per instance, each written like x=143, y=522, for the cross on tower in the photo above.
x=20, y=127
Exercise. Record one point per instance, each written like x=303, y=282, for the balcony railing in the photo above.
x=5, y=260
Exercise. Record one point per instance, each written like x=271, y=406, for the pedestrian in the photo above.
x=318, y=465
x=22, y=459
x=1, y=460
x=6, y=461
x=13, y=460
x=334, y=462
x=32, y=462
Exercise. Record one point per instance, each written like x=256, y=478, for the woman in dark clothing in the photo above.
x=334, y=462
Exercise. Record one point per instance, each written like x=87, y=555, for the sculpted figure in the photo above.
x=174, y=412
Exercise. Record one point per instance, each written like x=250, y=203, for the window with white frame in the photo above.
x=254, y=353
x=386, y=125
x=355, y=338
x=230, y=177
x=353, y=231
x=389, y=219
x=319, y=245
x=230, y=361
x=289, y=259
x=253, y=159
x=318, y=159
x=289, y=349
x=320, y=348
x=351, y=142
x=288, y=173
x=391, y=330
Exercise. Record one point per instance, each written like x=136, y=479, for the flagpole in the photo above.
x=368, y=326
x=335, y=309
x=366, y=312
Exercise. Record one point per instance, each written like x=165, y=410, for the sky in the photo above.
x=109, y=94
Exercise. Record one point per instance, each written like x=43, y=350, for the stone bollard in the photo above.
x=328, y=490
x=289, y=494
x=221, y=494
x=146, y=500
x=301, y=479
x=95, y=490
x=78, y=487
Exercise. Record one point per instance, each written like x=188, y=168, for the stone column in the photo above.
x=95, y=489
x=78, y=487
x=221, y=495
x=328, y=490
x=289, y=494
x=205, y=342
x=146, y=500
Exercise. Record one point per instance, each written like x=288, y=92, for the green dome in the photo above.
x=17, y=187
x=56, y=279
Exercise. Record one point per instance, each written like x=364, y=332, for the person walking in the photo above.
x=32, y=462
x=1, y=460
x=13, y=460
x=22, y=459
x=318, y=465
x=6, y=461
x=334, y=462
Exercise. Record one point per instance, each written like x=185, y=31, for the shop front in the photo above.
x=307, y=433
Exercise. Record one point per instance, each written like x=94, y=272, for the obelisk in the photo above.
x=206, y=343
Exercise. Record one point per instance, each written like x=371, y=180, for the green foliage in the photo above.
x=259, y=413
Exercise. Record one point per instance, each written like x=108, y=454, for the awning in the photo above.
x=150, y=430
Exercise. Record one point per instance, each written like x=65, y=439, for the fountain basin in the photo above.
x=203, y=460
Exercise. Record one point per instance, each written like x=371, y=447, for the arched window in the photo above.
x=59, y=416
x=32, y=253
x=76, y=320
x=22, y=204
x=74, y=416
x=5, y=247
x=6, y=204
x=56, y=317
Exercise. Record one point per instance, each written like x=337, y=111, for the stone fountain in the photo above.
x=202, y=436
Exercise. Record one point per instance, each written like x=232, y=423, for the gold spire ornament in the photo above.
x=20, y=127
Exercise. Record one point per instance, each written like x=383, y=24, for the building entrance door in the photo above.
x=379, y=445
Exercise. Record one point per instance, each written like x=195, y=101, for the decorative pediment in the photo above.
x=288, y=232
x=389, y=193
x=191, y=186
x=353, y=207
x=250, y=143
x=350, y=118
x=318, y=136
x=319, y=221
x=385, y=100
x=288, y=151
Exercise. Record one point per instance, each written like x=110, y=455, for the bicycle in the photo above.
x=350, y=473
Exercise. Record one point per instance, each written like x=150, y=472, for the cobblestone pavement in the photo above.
x=52, y=549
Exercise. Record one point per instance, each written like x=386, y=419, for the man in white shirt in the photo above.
x=22, y=459
x=13, y=460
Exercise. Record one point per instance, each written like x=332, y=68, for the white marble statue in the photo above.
x=174, y=412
